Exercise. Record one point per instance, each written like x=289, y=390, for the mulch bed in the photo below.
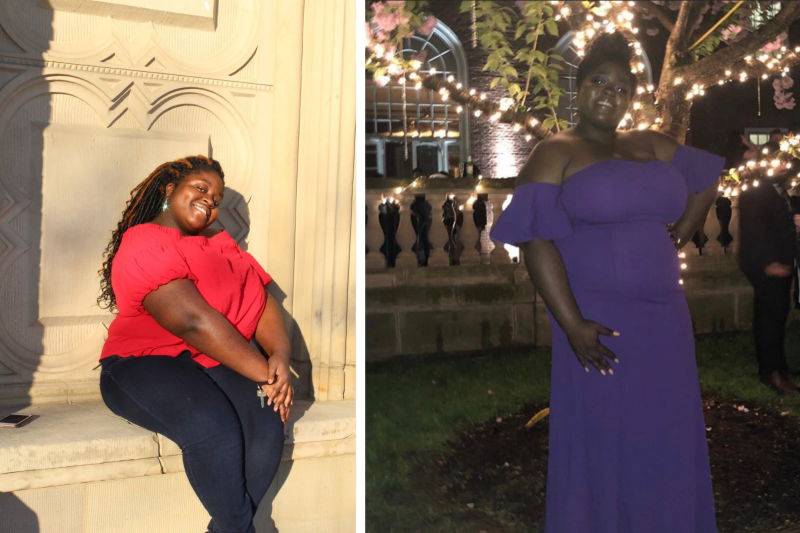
x=495, y=472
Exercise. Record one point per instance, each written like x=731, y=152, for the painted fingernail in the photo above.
x=610, y=371
x=615, y=333
x=586, y=368
x=603, y=372
x=616, y=360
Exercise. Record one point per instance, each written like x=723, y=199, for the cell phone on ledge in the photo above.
x=13, y=420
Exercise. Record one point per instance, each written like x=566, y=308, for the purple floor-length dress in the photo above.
x=628, y=452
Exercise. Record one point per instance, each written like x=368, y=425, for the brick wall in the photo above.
x=496, y=149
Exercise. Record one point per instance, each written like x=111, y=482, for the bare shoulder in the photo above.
x=547, y=161
x=662, y=144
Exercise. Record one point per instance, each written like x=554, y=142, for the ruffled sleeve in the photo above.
x=535, y=212
x=145, y=271
x=262, y=274
x=699, y=168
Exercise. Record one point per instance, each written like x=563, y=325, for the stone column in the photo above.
x=373, y=236
x=499, y=254
x=351, y=342
x=469, y=234
x=325, y=211
x=406, y=236
x=438, y=233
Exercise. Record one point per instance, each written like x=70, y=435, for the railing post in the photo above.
x=406, y=236
x=469, y=235
x=438, y=233
x=374, y=236
x=499, y=255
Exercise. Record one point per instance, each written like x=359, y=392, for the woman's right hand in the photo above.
x=585, y=341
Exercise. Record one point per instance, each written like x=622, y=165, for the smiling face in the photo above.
x=604, y=95
x=194, y=202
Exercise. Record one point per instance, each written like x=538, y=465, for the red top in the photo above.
x=230, y=280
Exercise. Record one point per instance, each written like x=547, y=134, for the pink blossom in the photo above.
x=377, y=8
x=731, y=33
x=782, y=98
x=421, y=56
x=381, y=36
x=395, y=2
x=428, y=25
x=774, y=45
x=387, y=21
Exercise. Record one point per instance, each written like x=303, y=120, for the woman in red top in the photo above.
x=178, y=359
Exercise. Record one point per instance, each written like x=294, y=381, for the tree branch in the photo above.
x=708, y=70
x=694, y=17
x=661, y=15
x=684, y=23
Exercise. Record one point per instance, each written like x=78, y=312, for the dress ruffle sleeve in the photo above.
x=535, y=212
x=699, y=168
x=262, y=274
x=145, y=271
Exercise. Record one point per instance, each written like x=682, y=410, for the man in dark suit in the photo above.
x=766, y=256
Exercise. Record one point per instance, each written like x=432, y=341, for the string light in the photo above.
x=605, y=17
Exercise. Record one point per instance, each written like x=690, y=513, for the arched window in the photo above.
x=568, y=77
x=438, y=135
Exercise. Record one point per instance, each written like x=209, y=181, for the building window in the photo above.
x=762, y=14
x=759, y=136
x=438, y=136
x=568, y=78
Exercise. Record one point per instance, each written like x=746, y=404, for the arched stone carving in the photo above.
x=82, y=38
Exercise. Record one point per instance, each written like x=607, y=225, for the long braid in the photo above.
x=144, y=206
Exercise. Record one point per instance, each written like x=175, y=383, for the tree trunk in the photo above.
x=674, y=110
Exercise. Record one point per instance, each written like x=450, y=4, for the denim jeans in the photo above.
x=231, y=446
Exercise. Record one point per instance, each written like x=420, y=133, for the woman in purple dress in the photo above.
x=628, y=449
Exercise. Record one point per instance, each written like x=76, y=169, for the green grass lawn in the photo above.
x=415, y=407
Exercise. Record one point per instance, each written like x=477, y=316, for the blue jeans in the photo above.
x=231, y=446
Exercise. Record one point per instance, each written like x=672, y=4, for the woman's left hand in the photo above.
x=281, y=392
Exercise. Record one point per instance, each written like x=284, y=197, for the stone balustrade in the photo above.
x=391, y=241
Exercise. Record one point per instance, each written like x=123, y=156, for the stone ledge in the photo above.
x=85, y=442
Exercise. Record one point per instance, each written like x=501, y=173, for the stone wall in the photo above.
x=496, y=149
x=446, y=310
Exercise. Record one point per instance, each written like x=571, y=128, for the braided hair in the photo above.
x=144, y=206
x=609, y=47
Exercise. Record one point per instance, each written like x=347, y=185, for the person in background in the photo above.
x=735, y=149
x=775, y=135
x=766, y=257
x=751, y=153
